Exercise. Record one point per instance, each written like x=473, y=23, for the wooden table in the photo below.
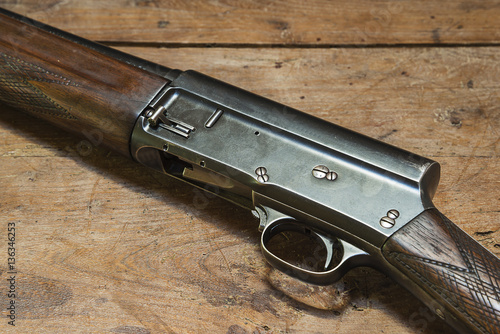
x=106, y=246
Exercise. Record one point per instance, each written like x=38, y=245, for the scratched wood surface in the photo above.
x=106, y=246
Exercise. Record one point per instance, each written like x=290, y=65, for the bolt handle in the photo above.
x=433, y=257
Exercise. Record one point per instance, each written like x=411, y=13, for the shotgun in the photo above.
x=365, y=202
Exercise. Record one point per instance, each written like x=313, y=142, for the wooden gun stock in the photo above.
x=71, y=85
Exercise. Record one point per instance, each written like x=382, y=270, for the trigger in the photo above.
x=331, y=247
x=351, y=256
x=268, y=216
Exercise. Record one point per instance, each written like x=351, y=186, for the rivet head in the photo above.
x=263, y=178
x=331, y=176
x=394, y=214
x=261, y=171
x=262, y=174
x=320, y=171
x=387, y=222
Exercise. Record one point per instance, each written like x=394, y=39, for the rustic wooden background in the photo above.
x=106, y=246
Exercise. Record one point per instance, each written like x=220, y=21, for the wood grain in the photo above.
x=74, y=87
x=443, y=261
x=296, y=22
x=106, y=246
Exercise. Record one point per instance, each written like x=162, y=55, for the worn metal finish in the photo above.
x=394, y=214
x=247, y=132
x=262, y=175
x=387, y=222
x=320, y=171
x=331, y=176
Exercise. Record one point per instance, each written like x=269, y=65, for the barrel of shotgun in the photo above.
x=363, y=199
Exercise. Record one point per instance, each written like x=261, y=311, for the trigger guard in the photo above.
x=351, y=255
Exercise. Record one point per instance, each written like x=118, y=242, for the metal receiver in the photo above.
x=294, y=171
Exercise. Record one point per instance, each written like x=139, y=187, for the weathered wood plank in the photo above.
x=106, y=246
x=315, y=22
x=109, y=249
x=440, y=97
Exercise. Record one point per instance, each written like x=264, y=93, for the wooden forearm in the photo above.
x=445, y=262
x=77, y=88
